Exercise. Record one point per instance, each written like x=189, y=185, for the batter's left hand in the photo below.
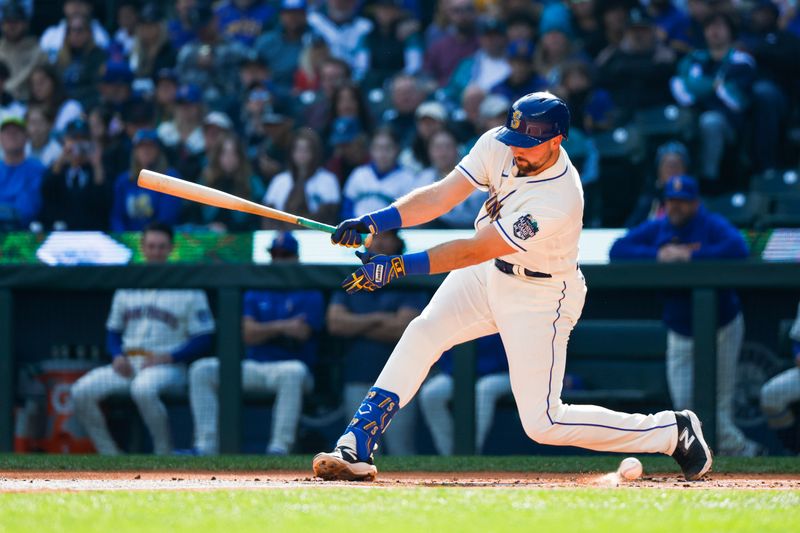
x=378, y=271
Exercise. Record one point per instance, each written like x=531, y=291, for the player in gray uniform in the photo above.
x=518, y=276
x=780, y=392
x=151, y=335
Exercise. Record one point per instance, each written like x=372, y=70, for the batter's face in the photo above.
x=156, y=246
x=531, y=161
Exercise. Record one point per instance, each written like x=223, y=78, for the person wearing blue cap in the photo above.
x=115, y=85
x=20, y=177
x=245, y=20
x=133, y=207
x=672, y=159
x=350, y=147
x=280, y=329
x=689, y=232
x=522, y=79
x=281, y=47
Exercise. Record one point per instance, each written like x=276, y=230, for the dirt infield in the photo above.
x=252, y=480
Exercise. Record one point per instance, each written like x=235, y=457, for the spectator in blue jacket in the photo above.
x=133, y=207
x=279, y=329
x=244, y=20
x=20, y=177
x=690, y=233
x=717, y=81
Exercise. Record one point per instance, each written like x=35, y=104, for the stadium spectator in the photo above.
x=278, y=127
x=556, y=45
x=521, y=79
x=466, y=120
x=339, y=23
x=376, y=185
x=20, y=177
x=115, y=86
x=109, y=139
x=672, y=159
x=672, y=24
x=211, y=61
x=636, y=71
x=348, y=102
x=257, y=101
x=443, y=154
x=305, y=188
x=430, y=117
x=127, y=20
x=459, y=42
x=439, y=26
x=591, y=108
x=227, y=170
x=614, y=16
x=313, y=55
x=350, y=148
x=19, y=50
x=46, y=90
x=216, y=126
x=407, y=94
x=54, y=38
x=699, y=11
x=254, y=71
x=8, y=104
x=392, y=46
x=487, y=67
x=182, y=137
x=371, y=325
x=268, y=161
x=41, y=144
x=333, y=73
x=717, y=82
x=779, y=393
x=151, y=337
x=151, y=49
x=181, y=28
x=80, y=62
x=133, y=208
x=690, y=233
x=244, y=20
x=165, y=96
x=777, y=56
x=281, y=47
x=436, y=394
x=520, y=26
x=587, y=26
x=279, y=329
x=75, y=193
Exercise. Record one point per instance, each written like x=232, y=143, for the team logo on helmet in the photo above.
x=525, y=227
x=515, y=119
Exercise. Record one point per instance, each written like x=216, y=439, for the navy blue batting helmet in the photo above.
x=534, y=119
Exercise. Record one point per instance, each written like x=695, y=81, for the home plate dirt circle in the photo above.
x=41, y=481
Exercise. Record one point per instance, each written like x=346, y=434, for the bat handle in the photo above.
x=313, y=224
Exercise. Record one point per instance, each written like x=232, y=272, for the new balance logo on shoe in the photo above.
x=686, y=438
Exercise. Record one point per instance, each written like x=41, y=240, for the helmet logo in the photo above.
x=515, y=119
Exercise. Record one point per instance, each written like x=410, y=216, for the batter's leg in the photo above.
x=288, y=380
x=146, y=390
x=399, y=441
x=434, y=402
x=87, y=393
x=204, y=403
x=488, y=391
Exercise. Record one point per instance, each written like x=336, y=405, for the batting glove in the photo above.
x=348, y=233
x=379, y=270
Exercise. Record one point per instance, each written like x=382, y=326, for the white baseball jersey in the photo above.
x=321, y=188
x=158, y=320
x=540, y=217
x=368, y=192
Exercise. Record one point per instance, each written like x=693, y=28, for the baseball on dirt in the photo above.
x=630, y=468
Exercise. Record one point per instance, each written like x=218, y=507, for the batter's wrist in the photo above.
x=382, y=220
x=417, y=263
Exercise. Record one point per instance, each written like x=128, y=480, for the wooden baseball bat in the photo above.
x=195, y=192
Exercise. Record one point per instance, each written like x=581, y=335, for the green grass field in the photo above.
x=382, y=508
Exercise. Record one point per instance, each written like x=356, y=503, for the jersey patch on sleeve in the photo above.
x=525, y=227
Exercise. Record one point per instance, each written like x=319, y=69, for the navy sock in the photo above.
x=371, y=420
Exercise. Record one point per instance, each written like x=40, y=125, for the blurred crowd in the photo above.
x=332, y=108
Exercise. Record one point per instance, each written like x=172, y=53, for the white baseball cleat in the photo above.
x=343, y=465
x=692, y=452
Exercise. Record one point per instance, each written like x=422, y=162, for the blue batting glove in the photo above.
x=379, y=270
x=348, y=233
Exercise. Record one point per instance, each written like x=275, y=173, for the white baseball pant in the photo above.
x=287, y=380
x=534, y=318
x=435, y=396
x=680, y=378
x=145, y=388
x=399, y=441
x=778, y=394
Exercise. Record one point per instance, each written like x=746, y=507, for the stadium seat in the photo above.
x=776, y=183
x=665, y=122
x=741, y=209
x=785, y=213
x=625, y=142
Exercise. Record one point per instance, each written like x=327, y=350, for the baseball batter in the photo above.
x=151, y=334
x=518, y=275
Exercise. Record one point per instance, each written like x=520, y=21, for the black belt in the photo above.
x=508, y=268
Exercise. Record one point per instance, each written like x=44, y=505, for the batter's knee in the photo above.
x=203, y=370
x=425, y=334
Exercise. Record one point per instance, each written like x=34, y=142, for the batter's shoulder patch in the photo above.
x=525, y=227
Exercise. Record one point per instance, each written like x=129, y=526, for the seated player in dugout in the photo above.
x=152, y=335
x=372, y=324
x=279, y=329
x=518, y=275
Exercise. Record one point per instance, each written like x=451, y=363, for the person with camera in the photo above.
x=75, y=194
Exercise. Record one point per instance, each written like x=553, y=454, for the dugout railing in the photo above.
x=228, y=283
